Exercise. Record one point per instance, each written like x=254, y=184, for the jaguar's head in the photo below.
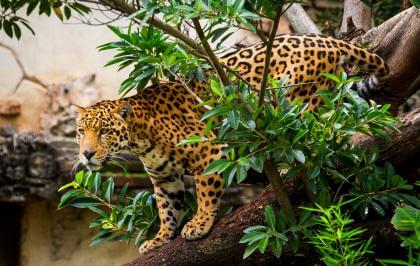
x=102, y=132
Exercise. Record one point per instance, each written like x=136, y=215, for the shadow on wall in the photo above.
x=10, y=225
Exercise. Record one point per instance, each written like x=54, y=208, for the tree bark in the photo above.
x=396, y=41
x=299, y=20
x=221, y=245
x=356, y=14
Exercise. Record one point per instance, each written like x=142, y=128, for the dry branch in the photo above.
x=299, y=20
x=356, y=14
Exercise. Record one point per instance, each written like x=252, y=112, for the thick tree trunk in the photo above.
x=221, y=245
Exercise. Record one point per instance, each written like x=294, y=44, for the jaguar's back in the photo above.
x=303, y=58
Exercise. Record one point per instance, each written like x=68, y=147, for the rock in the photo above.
x=9, y=107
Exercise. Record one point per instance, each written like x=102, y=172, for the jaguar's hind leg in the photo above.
x=209, y=192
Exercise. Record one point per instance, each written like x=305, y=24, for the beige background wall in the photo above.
x=62, y=238
x=56, y=54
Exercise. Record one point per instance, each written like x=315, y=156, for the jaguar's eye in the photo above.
x=104, y=130
x=81, y=131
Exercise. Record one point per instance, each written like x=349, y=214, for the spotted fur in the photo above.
x=152, y=123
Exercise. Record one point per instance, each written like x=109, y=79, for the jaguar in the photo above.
x=152, y=123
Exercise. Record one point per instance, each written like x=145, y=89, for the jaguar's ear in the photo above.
x=77, y=110
x=124, y=110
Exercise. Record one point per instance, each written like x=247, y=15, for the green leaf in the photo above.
x=257, y=163
x=250, y=249
x=209, y=126
x=299, y=136
x=79, y=177
x=32, y=5
x=88, y=179
x=216, y=111
x=255, y=227
x=96, y=185
x=100, y=237
x=331, y=76
x=7, y=26
x=269, y=217
x=16, y=30
x=233, y=118
x=67, y=12
x=99, y=211
x=277, y=247
x=405, y=217
x=71, y=194
x=217, y=166
x=108, y=189
x=190, y=140
x=82, y=202
x=393, y=262
x=313, y=172
x=263, y=243
x=241, y=173
x=228, y=175
x=252, y=237
x=298, y=154
x=71, y=184
x=389, y=170
x=379, y=210
x=294, y=243
x=123, y=192
x=243, y=161
x=215, y=87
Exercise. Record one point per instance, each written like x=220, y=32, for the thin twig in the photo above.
x=268, y=56
x=183, y=83
x=25, y=75
x=214, y=61
x=236, y=74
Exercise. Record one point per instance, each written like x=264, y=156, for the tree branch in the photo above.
x=129, y=10
x=214, y=61
x=268, y=54
x=300, y=21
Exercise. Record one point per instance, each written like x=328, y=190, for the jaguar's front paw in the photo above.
x=151, y=244
x=197, y=228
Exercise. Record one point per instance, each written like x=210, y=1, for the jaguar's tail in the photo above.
x=368, y=62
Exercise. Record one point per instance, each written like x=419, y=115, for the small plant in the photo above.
x=378, y=188
x=407, y=221
x=333, y=237
x=273, y=236
x=122, y=217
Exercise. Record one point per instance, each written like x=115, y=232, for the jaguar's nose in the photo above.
x=88, y=154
